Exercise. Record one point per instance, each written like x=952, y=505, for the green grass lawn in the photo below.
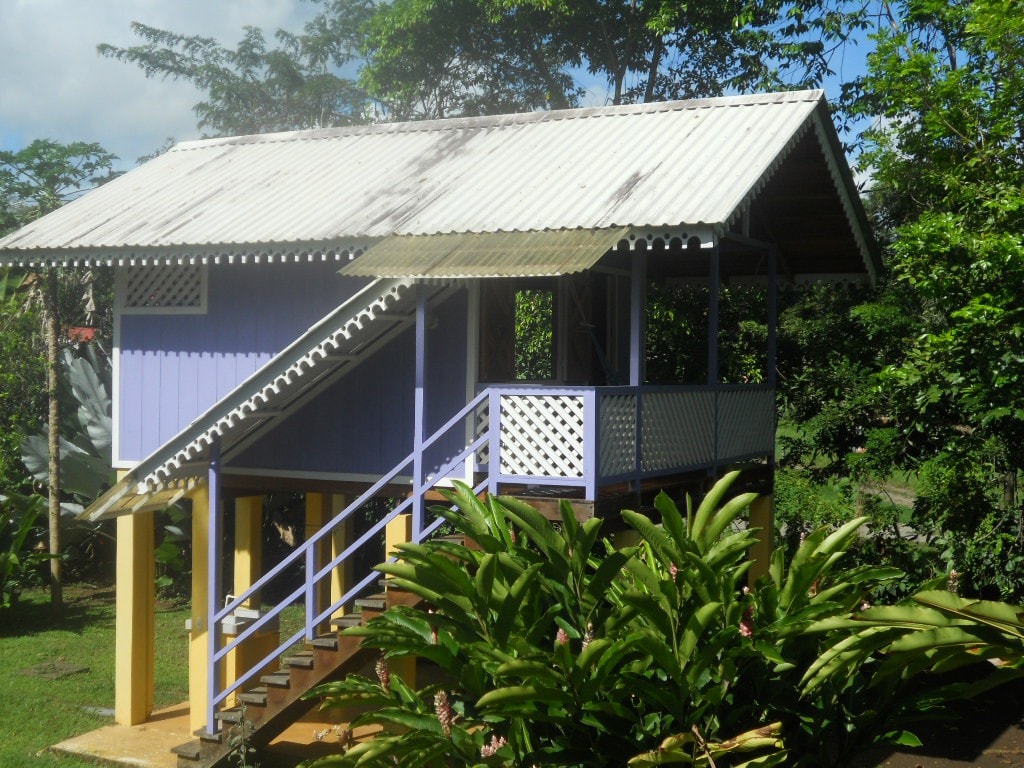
x=45, y=700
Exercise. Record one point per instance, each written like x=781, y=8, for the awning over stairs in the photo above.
x=327, y=350
x=487, y=254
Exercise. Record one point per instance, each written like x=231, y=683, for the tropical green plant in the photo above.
x=936, y=631
x=555, y=648
x=19, y=562
x=86, y=428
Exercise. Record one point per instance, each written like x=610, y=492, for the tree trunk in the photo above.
x=52, y=329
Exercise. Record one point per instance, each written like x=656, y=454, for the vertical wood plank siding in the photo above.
x=172, y=367
x=363, y=423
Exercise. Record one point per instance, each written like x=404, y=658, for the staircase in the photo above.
x=277, y=701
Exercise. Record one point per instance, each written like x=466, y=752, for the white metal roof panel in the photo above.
x=653, y=165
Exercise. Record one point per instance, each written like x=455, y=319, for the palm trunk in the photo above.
x=52, y=327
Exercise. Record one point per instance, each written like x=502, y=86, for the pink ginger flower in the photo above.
x=747, y=622
x=561, y=638
x=490, y=750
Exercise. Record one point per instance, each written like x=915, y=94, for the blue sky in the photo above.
x=55, y=86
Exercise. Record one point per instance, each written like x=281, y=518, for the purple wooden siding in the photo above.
x=174, y=367
x=363, y=423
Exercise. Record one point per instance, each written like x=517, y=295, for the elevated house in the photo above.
x=335, y=312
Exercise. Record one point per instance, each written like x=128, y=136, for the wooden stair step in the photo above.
x=346, y=621
x=233, y=715
x=209, y=738
x=377, y=603
x=277, y=680
x=192, y=750
x=254, y=697
x=325, y=642
x=301, y=660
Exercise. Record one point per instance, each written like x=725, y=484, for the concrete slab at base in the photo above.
x=149, y=744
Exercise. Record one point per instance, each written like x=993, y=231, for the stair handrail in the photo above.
x=307, y=553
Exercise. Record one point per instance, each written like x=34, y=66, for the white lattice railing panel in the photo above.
x=618, y=435
x=678, y=429
x=542, y=436
x=163, y=288
x=480, y=424
x=746, y=422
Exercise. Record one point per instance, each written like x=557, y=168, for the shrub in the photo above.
x=554, y=648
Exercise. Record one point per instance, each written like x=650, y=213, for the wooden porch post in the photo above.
x=198, y=641
x=637, y=308
x=714, y=289
x=419, y=403
x=135, y=619
x=637, y=311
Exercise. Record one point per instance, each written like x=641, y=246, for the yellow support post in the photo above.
x=316, y=504
x=248, y=546
x=762, y=517
x=197, y=641
x=248, y=568
x=397, y=532
x=341, y=538
x=135, y=619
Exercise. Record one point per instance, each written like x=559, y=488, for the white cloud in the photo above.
x=55, y=86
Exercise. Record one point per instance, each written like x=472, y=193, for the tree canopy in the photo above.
x=409, y=59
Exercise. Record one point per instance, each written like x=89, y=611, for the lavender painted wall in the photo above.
x=172, y=367
x=363, y=423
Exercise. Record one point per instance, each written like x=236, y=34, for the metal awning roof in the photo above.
x=489, y=254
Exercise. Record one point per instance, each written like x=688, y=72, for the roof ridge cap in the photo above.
x=481, y=122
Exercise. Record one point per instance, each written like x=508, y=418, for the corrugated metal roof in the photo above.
x=489, y=254
x=653, y=165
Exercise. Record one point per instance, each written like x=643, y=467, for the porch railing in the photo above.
x=594, y=436
x=576, y=437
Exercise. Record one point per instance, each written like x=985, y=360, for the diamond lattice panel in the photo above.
x=746, y=423
x=678, y=429
x=618, y=434
x=156, y=289
x=542, y=436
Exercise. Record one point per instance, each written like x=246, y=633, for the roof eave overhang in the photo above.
x=341, y=250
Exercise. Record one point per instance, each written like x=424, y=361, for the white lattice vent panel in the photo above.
x=542, y=436
x=678, y=429
x=165, y=289
x=618, y=434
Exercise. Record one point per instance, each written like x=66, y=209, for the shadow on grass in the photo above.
x=29, y=617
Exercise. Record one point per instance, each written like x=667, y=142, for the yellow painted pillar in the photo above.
x=248, y=546
x=135, y=619
x=341, y=538
x=197, y=641
x=396, y=532
x=762, y=517
x=247, y=569
x=316, y=513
